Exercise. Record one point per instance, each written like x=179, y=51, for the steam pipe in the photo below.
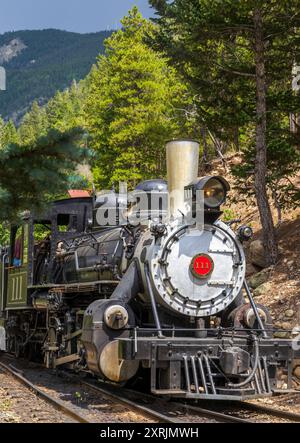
x=182, y=168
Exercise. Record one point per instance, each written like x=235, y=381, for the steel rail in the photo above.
x=51, y=400
x=210, y=413
x=292, y=416
x=240, y=407
x=161, y=417
x=221, y=417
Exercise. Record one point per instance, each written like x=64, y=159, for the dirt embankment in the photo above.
x=277, y=287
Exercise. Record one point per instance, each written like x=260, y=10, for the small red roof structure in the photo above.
x=76, y=193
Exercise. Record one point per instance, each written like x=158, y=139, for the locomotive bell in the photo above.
x=182, y=167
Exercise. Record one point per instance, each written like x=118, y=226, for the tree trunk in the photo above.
x=218, y=147
x=205, y=149
x=277, y=206
x=237, y=139
x=269, y=235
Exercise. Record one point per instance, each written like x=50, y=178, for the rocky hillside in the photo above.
x=277, y=287
x=38, y=63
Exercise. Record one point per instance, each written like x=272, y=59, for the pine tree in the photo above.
x=132, y=106
x=238, y=57
x=8, y=133
x=2, y=125
x=31, y=174
x=64, y=111
x=34, y=124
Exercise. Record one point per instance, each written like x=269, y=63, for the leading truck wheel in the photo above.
x=114, y=368
x=243, y=317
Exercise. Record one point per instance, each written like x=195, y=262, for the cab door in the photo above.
x=18, y=268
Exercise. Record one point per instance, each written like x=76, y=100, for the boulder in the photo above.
x=287, y=326
x=259, y=278
x=284, y=325
x=257, y=253
x=289, y=313
x=251, y=269
x=262, y=289
x=281, y=334
x=297, y=372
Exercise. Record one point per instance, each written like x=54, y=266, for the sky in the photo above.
x=70, y=15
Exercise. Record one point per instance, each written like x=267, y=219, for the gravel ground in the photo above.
x=236, y=409
x=287, y=402
x=19, y=405
x=90, y=405
x=94, y=406
x=99, y=408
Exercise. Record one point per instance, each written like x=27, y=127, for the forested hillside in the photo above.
x=38, y=63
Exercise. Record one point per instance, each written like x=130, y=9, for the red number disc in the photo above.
x=202, y=266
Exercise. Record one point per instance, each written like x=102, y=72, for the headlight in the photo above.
x=215, y=190
x=245, y=233
x=214, y=193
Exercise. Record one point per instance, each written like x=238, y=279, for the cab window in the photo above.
x=20, y=237
x=17, y=253
x=66, y=223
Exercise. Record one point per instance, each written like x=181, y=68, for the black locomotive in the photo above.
x=163, y=297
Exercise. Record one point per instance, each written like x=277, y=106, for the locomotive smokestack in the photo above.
x=182, y=168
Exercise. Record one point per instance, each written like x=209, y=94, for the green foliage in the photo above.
x=41, y=231
x=8, y=133
x=62, y=113
x=51, y=60
x=34, y=125
x=228, y=215
x=32, y=173
x=134, y=101
x=4, y=234
x=64, y=110
x=283, y=164
x=212, y=44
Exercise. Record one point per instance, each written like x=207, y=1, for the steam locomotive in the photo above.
x=162, y=297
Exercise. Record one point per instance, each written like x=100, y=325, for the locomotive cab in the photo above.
x=27, y=267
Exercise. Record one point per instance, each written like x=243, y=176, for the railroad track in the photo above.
x=151, y=413
x=233, y=414
x=49, y=399
x=135, y=398
x=272, y=412
x=157, y=409
x=146, y=405
x=254, y=412
x=19, y=375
